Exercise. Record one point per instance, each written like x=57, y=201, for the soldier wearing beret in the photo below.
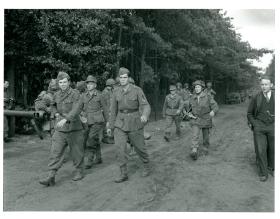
x=94, y=109
x=203, y=108
x=128, y=123
x=68, y=130
x=172, y=108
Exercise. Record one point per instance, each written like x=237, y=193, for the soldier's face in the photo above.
x=198, y=89
x=123, y=79
x=209, y=85
x=172, y=92
x=91, y=86
x=266, y=85
x=6, y=84
x=63, y=84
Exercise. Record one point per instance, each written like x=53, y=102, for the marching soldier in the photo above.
x=186, y=95
x=172, y=109
x=68, y=131
x=107, y=94
x=94, y=109
x=203, y=108
x=209, y=89
x=128, y=123
x=179, y=89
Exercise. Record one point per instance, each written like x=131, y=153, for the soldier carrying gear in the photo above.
x=68, y=130
x=172, y=108
x=209, y=89
x=128, y=123
x=203, y=108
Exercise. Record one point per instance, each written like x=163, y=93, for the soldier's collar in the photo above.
x=66, y=91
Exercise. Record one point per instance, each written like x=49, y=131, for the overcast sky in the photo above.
x=257, y=26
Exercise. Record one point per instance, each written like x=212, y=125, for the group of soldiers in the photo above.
x=119, y=113
x=198, y=106
x=80, y=116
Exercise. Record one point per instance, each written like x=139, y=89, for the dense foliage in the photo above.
x=156, y=45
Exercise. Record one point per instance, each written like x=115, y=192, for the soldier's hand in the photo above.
x=143, y=118
x=109, y=132
x=212, y=114
x=61, y=123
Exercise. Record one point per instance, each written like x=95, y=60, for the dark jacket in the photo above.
x=254, y=108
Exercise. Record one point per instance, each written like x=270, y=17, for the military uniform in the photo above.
x=210, y=92
x=65, y=106
x=170, y=107
x=126, y=123
x=201, y=105
x=94, y=109
x=107, y=96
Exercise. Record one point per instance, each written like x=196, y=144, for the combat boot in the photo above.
x=146, y=170
x=123, y=177
x=78, y=175
x=194, y=154
x=167, y=136
x=88, y=160
x=98, y=158
x=49, y=180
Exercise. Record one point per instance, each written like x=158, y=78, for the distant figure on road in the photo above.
x=172, y=108
x=203, y=108
x=260, y=115
x=209, y=90
x=128, y=123
x=68, y=131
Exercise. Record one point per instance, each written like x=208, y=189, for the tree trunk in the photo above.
x=142, y=64
x=119, y=45
x=132, y=57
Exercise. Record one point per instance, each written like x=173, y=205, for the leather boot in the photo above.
x=123, y=177
x=98, y=158
x=88, y=160
x=194, y=154
x=49, y=180
x=78, y=175
x=146, y=170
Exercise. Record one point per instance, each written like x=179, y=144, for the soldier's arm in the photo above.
x=251, y=111
x=104, y=107
x=76, y=107
x=143, y=103
x=213, y=92
x=113, y=111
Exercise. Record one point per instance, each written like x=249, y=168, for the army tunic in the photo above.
x=201, y=107
x=126, y=122
x=65, y=106
x=94, y=109
x=170, y=107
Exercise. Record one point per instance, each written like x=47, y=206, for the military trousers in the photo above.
x=93, y=142
x=264, y=148
x=137, y=140
x=195, y=137
x=60, y=140
x=169, y=122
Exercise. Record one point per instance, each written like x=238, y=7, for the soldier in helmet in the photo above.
x=94, y=108
x=107, y=96
x=209, y=90
x=68, y=130
x=172, y=107
x=203, y=109
x=128, y=123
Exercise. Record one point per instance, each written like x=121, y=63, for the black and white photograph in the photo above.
x=138, y=109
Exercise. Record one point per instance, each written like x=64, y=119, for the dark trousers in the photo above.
x=264, y=147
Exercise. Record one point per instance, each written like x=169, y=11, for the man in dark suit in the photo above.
x=261, y=118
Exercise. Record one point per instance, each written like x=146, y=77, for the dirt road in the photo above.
x=225, y=180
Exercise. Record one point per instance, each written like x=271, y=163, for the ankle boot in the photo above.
x=49, y=180
x=78, y=175
x=98, y=158
x=123, y=177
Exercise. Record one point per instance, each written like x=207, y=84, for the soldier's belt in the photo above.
x=128, y=111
